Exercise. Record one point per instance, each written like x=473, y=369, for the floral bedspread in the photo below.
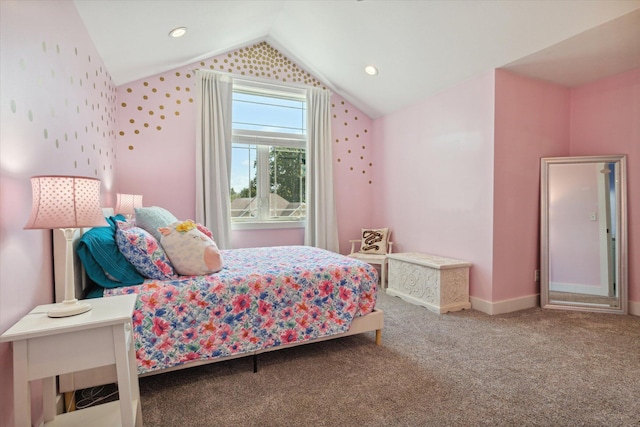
x=263, y=297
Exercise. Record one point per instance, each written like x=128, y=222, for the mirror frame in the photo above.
x=621, y=235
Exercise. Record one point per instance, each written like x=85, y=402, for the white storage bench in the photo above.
x=437, y=283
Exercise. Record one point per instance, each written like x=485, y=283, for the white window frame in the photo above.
x=263, y=140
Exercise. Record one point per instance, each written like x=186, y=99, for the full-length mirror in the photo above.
x=583, y=263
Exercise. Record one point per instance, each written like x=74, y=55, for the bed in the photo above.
x=263, y=299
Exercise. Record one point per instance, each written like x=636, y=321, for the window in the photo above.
x=268, y=153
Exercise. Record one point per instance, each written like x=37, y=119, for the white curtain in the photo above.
x=213, y=154
x=322, y=225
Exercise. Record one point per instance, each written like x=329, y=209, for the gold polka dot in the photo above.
x=161, y=79
x=177, y=113
x=339, y=160
x=162, y=117
x=178, y=101
x=139, y=108
x=177, y=87
x=151, y=112
x=121, y=133
x=146, y=125
x=154, y=90
x=136, y=131
x=131, y=121
x=159, y=127
x=146, y=83
x=161, y=107
x=130, y=147
x=145, y=97
x=129, y=90
x=178, y=74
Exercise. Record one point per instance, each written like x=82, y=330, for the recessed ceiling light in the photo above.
x=178, y=32
x=371, y=70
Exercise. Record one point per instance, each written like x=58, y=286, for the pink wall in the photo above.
x=156, y=140
x=434, y=177
x=427, y=158
x=531, y=121
x=605, y=119
x=57, y=115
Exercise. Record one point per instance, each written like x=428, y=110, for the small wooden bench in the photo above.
x=437, y=283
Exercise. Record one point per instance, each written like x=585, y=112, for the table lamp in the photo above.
x=66, y=203
x=126, y=204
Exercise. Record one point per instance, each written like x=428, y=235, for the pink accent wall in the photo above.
x=57, y=114
x=434, y=177
x=531, y=121
x=156, y=143
x=430, y=173
x=605, y=119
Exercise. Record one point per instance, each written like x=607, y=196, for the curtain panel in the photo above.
x=213, y=154
x=322, y=224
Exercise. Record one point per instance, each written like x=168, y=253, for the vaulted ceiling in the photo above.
x=419, y=47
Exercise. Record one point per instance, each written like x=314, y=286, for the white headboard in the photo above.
x=60, y=259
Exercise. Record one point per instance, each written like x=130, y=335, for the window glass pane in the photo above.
x=287, y=183
x=269, y=114
x=243, y=181
x=268, y=156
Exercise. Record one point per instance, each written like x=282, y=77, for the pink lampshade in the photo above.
x=126, y=203
x=65, y=202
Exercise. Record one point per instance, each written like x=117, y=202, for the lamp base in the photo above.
x=69, y=308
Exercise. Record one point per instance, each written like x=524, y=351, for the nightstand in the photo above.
x=44, y=347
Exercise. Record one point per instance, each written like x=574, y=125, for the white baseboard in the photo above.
x=634, y=308
x=522, y=303
x=505, y=306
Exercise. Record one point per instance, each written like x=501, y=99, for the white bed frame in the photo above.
x=373, y=321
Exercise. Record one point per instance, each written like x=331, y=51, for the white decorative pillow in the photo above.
x=374, y=241
x=191, y=251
